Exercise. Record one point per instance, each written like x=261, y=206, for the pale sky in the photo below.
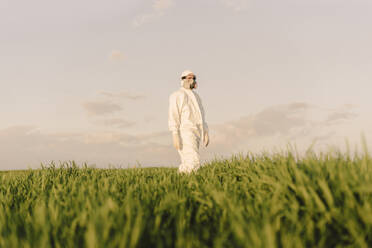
x=89, y=80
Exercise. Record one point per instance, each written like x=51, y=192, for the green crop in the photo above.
x=251, y=200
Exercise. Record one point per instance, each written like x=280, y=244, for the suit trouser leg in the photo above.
x=190, y=157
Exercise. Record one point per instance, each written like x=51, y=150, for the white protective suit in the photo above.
x=187, y=117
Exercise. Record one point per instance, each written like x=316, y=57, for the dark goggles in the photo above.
x=194, y=77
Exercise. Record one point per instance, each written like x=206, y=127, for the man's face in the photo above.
x=191, y=76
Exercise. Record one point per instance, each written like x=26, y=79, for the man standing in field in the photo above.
x=187, y=123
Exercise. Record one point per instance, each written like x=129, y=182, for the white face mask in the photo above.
x=189, y=84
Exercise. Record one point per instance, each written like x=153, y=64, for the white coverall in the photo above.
x=186, y=116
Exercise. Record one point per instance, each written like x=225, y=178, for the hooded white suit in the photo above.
x=187, y=117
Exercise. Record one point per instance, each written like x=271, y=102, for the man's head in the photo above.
x=188, y=80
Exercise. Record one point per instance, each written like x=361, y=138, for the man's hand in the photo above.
x=206, y=139
x=177, y=141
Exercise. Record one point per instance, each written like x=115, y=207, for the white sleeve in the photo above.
x=205, y=125
x=174, y=114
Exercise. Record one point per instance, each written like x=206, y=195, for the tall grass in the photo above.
x=252, y=200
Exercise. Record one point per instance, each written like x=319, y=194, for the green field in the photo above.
x=248, y=200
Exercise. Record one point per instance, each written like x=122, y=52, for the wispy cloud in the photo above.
x=338, y=116
x=116, y=55
x=110, y=137
x=108, y=104
x=158, y=9
x=122, y=94
x=101, y=107
x=98, y=148
x=341, y=114
x=298, y=122
x=116, y=123
x=274, y=126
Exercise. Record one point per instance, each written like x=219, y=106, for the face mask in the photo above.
x=189, y=83
x=193, y=84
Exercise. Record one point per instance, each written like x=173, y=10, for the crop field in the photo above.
x=251, y=200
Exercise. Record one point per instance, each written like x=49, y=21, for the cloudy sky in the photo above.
x=89, y=80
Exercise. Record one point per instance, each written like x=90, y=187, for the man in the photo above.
x=187, y=123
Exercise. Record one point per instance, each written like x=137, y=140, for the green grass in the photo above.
x=252, y=200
